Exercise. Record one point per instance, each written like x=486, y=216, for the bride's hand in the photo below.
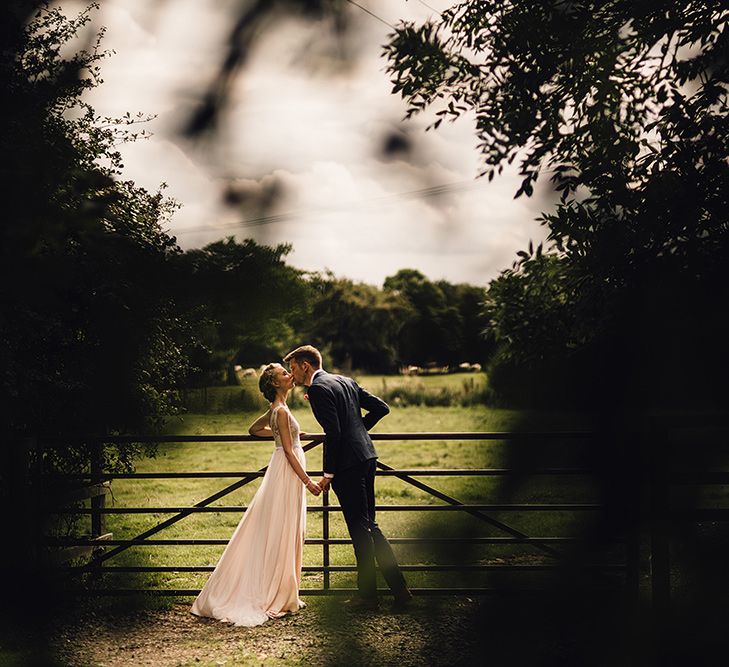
x=313, y=487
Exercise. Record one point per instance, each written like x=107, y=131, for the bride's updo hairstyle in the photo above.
x=266, y=382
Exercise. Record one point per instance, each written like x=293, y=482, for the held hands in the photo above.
x=324, y=483
x=313, y=487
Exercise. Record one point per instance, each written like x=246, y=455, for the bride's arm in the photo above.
x=284, y=428
x=261, y=427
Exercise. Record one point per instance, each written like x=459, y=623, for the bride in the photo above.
x=259, y=573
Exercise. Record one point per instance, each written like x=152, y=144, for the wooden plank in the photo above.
x=68, y=496
x=69, y=553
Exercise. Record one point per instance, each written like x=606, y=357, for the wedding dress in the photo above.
x=259, y=573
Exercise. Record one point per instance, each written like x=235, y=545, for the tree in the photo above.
x=625, y=104
x=445, y=323
x=251, y=300
x=356, y=323
x=91, y=340
x=421, y=339
x=466, y=342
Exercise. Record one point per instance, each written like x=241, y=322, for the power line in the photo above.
x=364, y=9
x=381, y=20
x=423, y=193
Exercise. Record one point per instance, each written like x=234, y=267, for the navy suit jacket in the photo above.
x=337, y=403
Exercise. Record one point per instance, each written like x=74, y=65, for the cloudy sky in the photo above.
x=298, y=156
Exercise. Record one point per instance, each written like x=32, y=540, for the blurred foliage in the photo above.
x=249, y=21
x=625, y=104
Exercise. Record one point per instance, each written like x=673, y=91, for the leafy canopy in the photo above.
x=624, y=105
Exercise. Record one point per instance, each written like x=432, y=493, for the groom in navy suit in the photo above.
x=349, y=466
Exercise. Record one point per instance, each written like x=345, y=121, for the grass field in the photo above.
x=186, y=457
x=445, y=389
x=376, y=383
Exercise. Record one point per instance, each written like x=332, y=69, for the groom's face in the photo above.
x=298, y=370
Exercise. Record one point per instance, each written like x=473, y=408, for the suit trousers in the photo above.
x=355, y=489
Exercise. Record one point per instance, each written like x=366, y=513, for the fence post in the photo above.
x=98, y=502
x=325, y=538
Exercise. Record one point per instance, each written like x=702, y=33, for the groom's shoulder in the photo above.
x=323, y=379
x=342, y=378
x=326, y=378
x=333, y=379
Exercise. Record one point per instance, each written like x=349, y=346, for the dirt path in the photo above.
x=432, y=632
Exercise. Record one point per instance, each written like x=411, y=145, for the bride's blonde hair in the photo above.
x=266, y=382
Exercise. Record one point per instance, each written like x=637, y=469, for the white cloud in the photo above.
x=319, y=133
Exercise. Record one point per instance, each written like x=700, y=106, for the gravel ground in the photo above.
x=552, y=628
x=430, y=632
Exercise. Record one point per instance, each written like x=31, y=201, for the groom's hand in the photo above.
x=324, y=483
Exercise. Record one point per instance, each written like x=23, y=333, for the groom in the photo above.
x=349, y=466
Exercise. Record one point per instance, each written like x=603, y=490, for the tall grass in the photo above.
x=456, y=389
x=418, y=392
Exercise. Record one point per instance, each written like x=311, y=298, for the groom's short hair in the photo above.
x=305, y=353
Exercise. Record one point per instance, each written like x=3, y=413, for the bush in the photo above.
x=469, y=393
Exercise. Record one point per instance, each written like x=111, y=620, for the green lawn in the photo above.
x=187, y=457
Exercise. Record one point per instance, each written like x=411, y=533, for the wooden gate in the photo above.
x=556, y=550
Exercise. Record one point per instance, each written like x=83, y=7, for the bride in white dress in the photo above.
x=259, y=573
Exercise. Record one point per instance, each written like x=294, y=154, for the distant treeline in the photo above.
x=256, y=308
